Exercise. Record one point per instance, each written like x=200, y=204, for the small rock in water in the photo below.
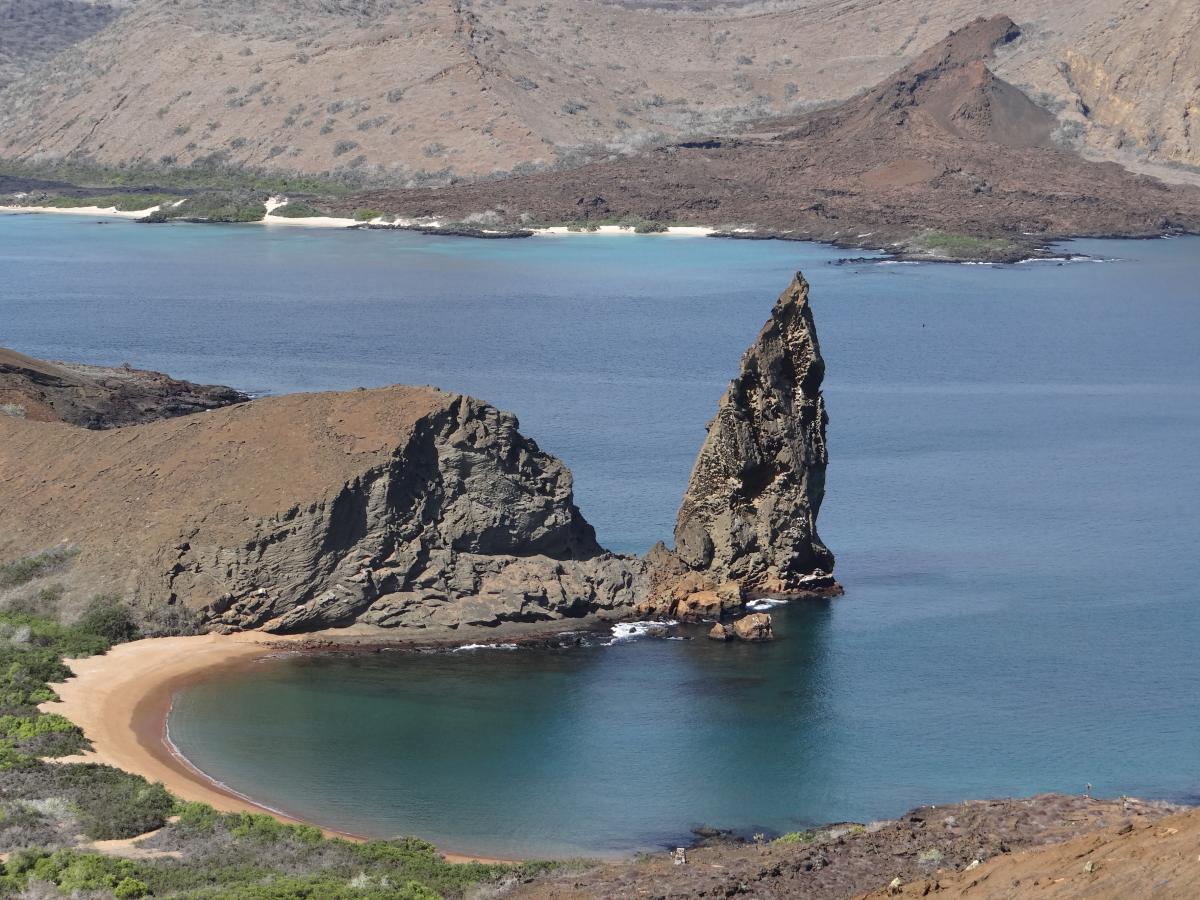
x=754, y=627
x=720, y=632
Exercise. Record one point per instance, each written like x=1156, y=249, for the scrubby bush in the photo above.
x=213, y=206
x=296, y=209
x=23, y=570
x=366, y=215
x=108, y=617
x=114, y=804
x=171, y=620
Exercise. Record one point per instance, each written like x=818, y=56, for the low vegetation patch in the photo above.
x=296, y=209
x=50, y=811
x=637, y=224
x=961, y=246
x=796, y=837
x=213, y=206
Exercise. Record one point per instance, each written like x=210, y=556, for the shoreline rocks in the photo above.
x=98, y=397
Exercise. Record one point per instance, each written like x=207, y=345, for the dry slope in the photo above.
x=398, y=507
x=412, y=90
x=942, y=144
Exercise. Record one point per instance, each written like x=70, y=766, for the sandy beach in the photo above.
x=399, y=223
x=121, y=700
x=108, y=211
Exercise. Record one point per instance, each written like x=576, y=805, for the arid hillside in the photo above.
x=1067, y=848
x=941, y=150
x=33, y=31
x=417, y=92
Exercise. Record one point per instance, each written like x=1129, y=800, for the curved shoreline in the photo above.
x=122, y=699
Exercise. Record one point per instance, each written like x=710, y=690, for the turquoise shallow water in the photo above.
x=1012, y=497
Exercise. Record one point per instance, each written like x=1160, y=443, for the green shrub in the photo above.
x=296, y=209
x=130, y=889
x=197, y=818
x=366, y=215
x=649, y=228
x=125, y=810
x=213, y=206
x=108, y=617
x=796, y=837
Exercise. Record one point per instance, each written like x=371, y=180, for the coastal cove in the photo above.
x=983, y=623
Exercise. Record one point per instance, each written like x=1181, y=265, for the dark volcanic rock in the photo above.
x=749, y=515
x=405, y=508
x=100, y=397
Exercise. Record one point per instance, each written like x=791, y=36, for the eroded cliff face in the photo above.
x=747, y=526
x=399, y=507
x=420, y=512
x=468, y=523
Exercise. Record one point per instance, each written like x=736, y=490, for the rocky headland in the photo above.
x=100, y=396
x=409, y=512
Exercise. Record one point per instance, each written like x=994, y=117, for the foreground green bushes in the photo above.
x=45, y=806
x=247, y=856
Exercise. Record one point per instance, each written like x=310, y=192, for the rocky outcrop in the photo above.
x=99, y=396
x=418, y=510
x=748, y=522
x=754, y=627
x=400, y=508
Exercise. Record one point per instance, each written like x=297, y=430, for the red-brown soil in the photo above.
x=1042, y=842
x=943, y=145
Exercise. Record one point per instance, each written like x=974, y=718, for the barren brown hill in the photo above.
x=421, y=91
x=98, y=396
x=398, y=507
x=945, y=145
x=33, y=31
x=1031, y=847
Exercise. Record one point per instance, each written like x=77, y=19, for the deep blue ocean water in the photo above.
x=1013, y=497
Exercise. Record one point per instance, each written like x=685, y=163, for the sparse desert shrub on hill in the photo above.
x=23, y=570
x=12, y=409
x=43, y=602
x=343, y=147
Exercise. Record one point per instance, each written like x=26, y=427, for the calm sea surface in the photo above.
x=1014, y=499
